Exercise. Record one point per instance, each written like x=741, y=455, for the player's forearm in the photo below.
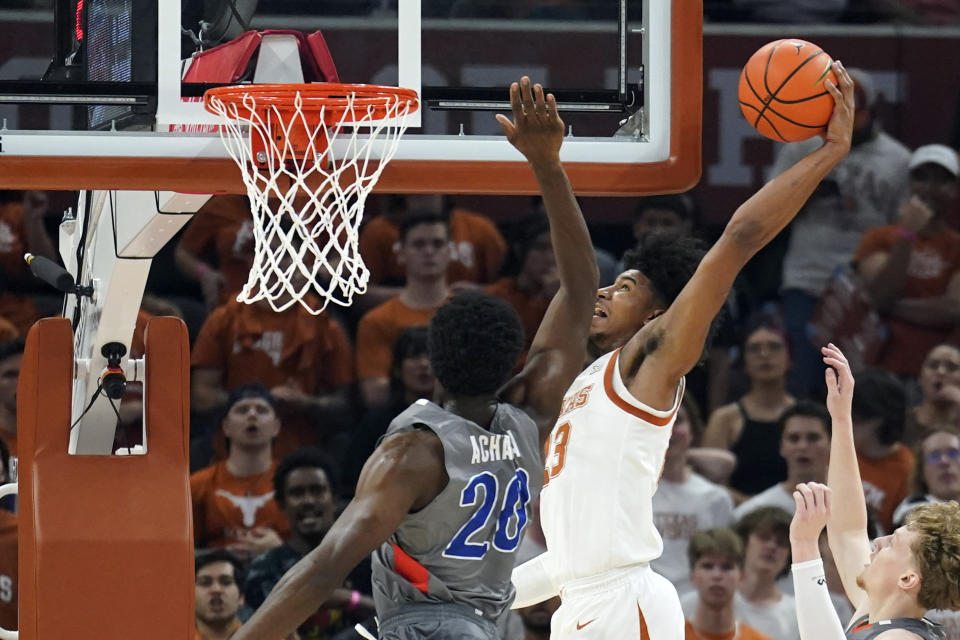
x=297, y=596
x=572, y=247
x=816, y=616
x=767, y=212
x=532, y=583
x=848, y=512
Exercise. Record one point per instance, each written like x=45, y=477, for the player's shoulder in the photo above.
x=900, y=634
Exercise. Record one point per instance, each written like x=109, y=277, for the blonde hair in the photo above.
x=937, y=553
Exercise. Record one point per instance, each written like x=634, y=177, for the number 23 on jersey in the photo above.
x=555, y=452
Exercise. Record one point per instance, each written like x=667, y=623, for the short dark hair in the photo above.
x=773, y=519
x=308, y=457
x=808, y=409
x=721, y=542
x=420, y=217
x=768, y=321
x=204, y=558
x=880, y=394
x=475, y=342
x=668, y=260
x=411, y=342
x=12, y=347
x=250, y=390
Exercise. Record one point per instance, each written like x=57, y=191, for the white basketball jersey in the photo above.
x=602, y=464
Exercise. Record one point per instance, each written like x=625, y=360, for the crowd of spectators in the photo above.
x=277, y=396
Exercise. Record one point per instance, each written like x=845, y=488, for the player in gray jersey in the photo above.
x=891, y=582
x=445, y=497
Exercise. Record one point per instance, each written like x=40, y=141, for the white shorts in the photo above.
x=632, y=602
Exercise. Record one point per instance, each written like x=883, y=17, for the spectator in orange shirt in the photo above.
x=8, y=552
x=879, y=417
x=716, y=569
x=219, y=595
x=531, y=279
x=216, y=250
x=477, y=248
x=912, y=268
x=11, y=356
x=233, y=503
x=306, y=361
x=424, y=253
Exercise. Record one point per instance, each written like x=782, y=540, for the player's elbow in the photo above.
x=746, y=235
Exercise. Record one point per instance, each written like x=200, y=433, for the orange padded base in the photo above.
x=106, y=542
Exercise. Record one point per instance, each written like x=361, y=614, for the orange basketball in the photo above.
x=782, y=93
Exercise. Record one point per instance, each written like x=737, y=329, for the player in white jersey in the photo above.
x=605, y=453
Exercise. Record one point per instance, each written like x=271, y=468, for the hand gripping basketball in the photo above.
x=840, y=127
x=536, y=130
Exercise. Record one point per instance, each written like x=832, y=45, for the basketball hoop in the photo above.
x=310, y=155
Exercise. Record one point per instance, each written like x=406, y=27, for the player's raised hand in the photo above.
x=840, y=128
x=536, y=130
x=813, y=509
x=839, y=382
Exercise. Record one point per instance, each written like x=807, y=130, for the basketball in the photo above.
x=781, y=92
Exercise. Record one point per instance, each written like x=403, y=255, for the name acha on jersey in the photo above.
x=494, y=447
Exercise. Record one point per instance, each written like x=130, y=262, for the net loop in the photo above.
x=310, y=154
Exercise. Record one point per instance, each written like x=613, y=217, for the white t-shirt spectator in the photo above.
x=680, y=509
x=775, y=496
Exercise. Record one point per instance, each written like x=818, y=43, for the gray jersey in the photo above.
x=460, y=548
x=862, y=629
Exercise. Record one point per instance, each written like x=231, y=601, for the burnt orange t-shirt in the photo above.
x=251, y=343
x=477, y=249
x=742, y=632
x=531, y=309
x=225, y=507
x=886, y=482
x=933, y=261
x=377, y=332
x=225, y=226
x=8, y=570
x=233, y=629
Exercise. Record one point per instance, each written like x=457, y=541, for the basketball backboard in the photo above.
x=636, y=60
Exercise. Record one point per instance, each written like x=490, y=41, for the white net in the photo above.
x=308, y=168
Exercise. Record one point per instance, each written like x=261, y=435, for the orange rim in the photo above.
x=374, y=101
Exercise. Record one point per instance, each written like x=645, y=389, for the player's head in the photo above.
x=716, y=566
x=218, y=587
x=251, y=419
x=805, y=441
x=410, y=373
x=920, y=561
x=933, y=176
x=687, y=428
x=879, y=408
x=940, y=370
x=424, y=245
x=475, y=340
x=766, y=537
x=655, y=272
x=670, y=213
x=11, y=357
x=936, y=469
x=766, y=350
x=304, y=486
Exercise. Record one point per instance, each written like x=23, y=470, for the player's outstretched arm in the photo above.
x=816, y=617
x=403, y=473
x=847, y=524
x=559, y=348
x=683, y=328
